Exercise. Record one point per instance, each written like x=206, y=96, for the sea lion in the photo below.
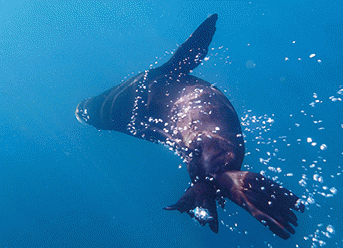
x=168, y=105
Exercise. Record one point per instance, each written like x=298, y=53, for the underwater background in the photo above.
x=64, y=184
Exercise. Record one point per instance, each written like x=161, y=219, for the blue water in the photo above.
x=64, y=184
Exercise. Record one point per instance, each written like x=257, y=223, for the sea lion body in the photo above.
x=189, y=116
x=167, y=105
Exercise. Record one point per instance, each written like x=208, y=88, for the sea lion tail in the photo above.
x=266, y=200
x=190, y=54
x=199, y=201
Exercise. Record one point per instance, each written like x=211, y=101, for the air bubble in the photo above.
x=330, y=229
x=303, y=183
x=333, y=190
x=318, y=178
x=323, y=147
x=310, y=200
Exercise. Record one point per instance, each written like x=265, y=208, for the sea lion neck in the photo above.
x=212, y=155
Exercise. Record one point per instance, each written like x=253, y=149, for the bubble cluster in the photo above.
x=201, y=214
x=316, y=177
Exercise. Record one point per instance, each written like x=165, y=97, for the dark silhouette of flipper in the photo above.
x=266, y=200
x=199, y=201
x=190, y=54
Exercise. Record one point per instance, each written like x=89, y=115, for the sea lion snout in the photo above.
x=87, y=112
x=80, y=112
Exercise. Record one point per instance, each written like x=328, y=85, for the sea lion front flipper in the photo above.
x=266, y=200
x=190, y=54
x=199, y=201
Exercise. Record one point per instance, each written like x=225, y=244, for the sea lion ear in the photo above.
x=199, y=201
x=266, y=200
x=190, y=54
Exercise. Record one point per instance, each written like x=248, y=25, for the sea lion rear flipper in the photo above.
x=190, y=54
x=199, y=201
x=266, y=200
